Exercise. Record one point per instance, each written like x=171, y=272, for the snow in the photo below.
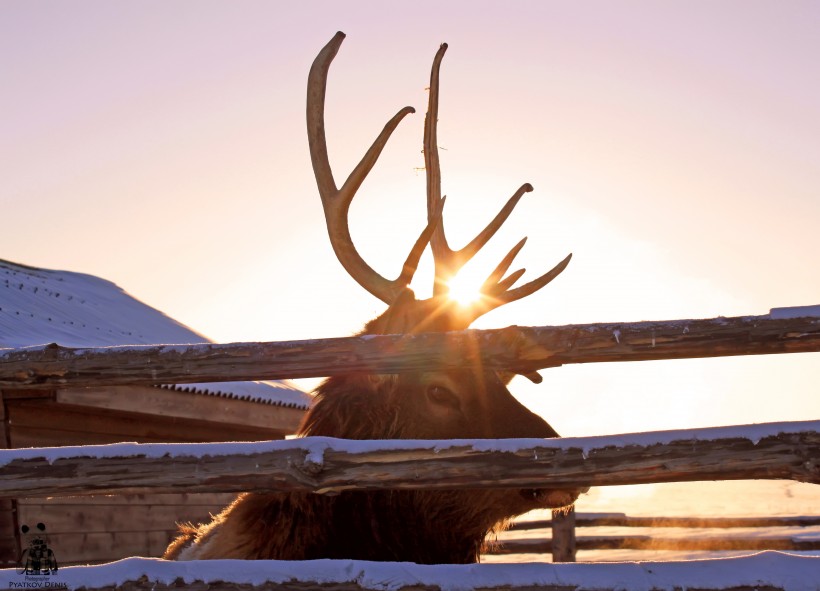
x=775, y=569
x=77, y=310
x=315, y=447
x=40, y=306
x=795, y=312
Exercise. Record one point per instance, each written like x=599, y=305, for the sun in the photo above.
x=464, y=289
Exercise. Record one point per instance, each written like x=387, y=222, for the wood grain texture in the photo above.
x=520, y=349
x=296, y=466
x=186, y=405
x=711, y=544
x=622, y=520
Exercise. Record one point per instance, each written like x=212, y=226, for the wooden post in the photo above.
x=563, y=535
x=10, y=546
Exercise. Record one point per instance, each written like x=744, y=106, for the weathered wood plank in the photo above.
x=562, y=545
x=24, y=437
x=171, y=499
x=28, y=393
x=75, y=425
x=621, y=520
x=79, y=548
x=169, y=403
x=9, y=536
x=135, y=518
x=712, y=544
x=772, y=451
x=9, y=541
x=521, y=349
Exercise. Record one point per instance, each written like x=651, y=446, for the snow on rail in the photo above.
x=795, y=312
x=315, y=447
x=770, y=570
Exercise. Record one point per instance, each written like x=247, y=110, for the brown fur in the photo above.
x=418, y=526
x=423, y=526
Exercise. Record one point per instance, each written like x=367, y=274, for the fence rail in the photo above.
x=317, y=464
x=520, y=349
x=623, y=520
x=714, y=544
x=563, y=542
x=772, y=451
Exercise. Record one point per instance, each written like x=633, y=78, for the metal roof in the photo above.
x=40, y=306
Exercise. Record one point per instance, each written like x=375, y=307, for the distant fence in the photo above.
x=322, y=465
x=563, y=543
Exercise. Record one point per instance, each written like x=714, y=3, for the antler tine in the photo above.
x=510, y=280
x=498, y=272
x=498, y=294
x=477, y=243
x=432, y=166
x=336, y=202
x=447, y=261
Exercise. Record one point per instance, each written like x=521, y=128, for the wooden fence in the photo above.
x=516, y=348
x=326, y=465
x=779, y=450
x=563, y=542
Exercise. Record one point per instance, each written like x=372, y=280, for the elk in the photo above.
x=419, y=526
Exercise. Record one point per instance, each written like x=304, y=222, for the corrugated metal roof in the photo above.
x=260, y=392
x=40, y=306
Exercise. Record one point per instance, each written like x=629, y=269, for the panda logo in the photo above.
x=38, y=558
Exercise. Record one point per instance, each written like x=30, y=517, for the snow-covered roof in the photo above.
x=39, y=306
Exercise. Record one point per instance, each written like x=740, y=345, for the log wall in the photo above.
x=98, y=529
x=9, y=543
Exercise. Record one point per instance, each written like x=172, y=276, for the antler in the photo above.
x=336, y=202
x=496, y=290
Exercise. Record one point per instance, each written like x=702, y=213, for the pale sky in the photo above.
x=673, y=147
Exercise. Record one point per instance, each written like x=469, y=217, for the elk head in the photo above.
x=436, y=403
x=424, y=526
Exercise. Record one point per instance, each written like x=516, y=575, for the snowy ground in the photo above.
x=634, y=571
x=772, y=570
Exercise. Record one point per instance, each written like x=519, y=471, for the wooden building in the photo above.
x=40, y=306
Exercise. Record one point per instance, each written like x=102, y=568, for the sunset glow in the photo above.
x=464, y=289
x=672, y=147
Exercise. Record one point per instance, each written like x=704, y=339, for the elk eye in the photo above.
x=443, y=396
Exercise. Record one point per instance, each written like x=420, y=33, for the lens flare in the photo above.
x=464, y=289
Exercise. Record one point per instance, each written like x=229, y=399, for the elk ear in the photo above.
x=507, y=376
